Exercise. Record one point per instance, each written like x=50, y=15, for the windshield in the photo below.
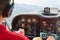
x=22, y=6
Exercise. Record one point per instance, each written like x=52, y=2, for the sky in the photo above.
x=40, y=2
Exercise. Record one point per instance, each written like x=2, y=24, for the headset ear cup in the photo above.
x=6, y=11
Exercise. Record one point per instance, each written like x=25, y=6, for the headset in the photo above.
x=8, y=8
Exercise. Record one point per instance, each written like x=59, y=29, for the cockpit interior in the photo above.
x=38, y=26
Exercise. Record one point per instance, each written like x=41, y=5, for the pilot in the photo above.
x=6, y=7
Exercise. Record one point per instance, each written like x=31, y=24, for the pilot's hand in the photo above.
x=20, y=31
x=50, y=38
x=37, y=38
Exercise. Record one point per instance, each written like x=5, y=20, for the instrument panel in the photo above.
x=34, y=24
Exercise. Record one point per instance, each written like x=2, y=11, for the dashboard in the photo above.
x=34, y=25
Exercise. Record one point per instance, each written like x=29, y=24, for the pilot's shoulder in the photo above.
x=15, y=36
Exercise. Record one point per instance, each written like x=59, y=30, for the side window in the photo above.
x=4, y=23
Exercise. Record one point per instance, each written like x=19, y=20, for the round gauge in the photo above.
x=19, y=21
x=28, y=20
x=58, y=23
x=58, y=29
x=23, y=19
x=23, y=25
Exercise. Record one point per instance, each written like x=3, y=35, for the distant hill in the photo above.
x=25, y=8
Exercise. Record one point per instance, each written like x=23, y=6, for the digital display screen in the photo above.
x=46, y=35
